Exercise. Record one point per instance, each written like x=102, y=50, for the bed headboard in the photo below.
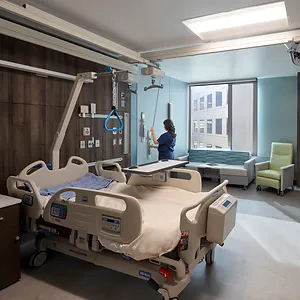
x=39, y=173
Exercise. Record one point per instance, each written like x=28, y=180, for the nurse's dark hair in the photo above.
x=169, y=126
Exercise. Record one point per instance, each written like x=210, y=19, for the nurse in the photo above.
x=166, y=142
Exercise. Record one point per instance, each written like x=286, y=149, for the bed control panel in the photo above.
x=58, y=211
x=221, y=218
x=111, y=224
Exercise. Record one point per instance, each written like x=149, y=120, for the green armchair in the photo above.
x=277, y=173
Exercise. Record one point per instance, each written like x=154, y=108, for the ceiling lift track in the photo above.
x=52, y=22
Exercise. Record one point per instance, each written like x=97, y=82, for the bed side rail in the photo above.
x=39, y=173
x=185, y=179
x=117, y=175
x=199, y=225
x=86, y=215
x=28, y=191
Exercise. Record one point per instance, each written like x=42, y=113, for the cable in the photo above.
x=154, y=117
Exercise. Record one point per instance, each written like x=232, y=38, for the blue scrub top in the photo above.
x=166, y=146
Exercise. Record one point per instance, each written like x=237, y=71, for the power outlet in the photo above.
x=97, y=143
x=86, y=131
x=82, y=144
x=114, y=142
x=114, y=132
x=120, y=141
x=90, y=144
x=123, y=103
x=120, y=132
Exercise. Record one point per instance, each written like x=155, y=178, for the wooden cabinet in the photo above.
x=9, y=241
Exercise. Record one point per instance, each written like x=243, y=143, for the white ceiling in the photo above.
x=272, y=61
x=147, y=25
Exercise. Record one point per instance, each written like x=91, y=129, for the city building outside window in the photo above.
x=219, y=126
x=218, y=99
x=209, y=146
x=201, y=145
x=209, y=101
x=209, y=126
x=202, y=106
x=195, y=126
x=201, y=126
x=195, y=144
x=196, y=105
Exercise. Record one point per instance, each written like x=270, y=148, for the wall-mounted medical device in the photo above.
x=153, y=72
x=128, y=77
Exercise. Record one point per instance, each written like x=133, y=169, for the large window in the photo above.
x=202, y=106
x=201, y=126
x=218, y=99
x=209, y=126
x=209, y=101
x=219, y=126
x=226, y=116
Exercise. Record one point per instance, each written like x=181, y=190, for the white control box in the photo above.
x=86, y=131
x=97, y=143
x=221, y=218
x=84, y=109
x=82, y=144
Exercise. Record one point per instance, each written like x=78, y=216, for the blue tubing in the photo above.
x=113, y=113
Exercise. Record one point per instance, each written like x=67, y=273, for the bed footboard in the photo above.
x=90, y=214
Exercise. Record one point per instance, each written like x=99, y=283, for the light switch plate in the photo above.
x=82, y=144
x=97, y=143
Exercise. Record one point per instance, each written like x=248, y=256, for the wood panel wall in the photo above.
x=31, y=108
x=298, y=135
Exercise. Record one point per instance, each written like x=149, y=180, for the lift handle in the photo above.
x=113, y=112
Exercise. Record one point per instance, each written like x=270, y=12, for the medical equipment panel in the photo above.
x=111, y=224
x=58, y=211
x=221, y=218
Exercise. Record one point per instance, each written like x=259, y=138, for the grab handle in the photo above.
x=113, y=112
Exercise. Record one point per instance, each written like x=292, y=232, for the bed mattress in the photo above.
x=161, y=208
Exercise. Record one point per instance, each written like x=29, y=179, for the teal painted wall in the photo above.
x=175, y=92
x=277, y=113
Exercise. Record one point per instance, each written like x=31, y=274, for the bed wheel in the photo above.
x=210, y=257
x=258, y=188
x=37, y=259
x=244, y=188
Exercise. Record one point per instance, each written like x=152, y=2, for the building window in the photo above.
x=218, y=126
x=201, y=145
x=209, y=126
x=202, y=103
x=237, y=129
x=196, y=105
x=201, y=126
x=218, y=99
x=195, y=144
x=209, y=101
x=218, y=147
x=195, y=126
x=209, y=146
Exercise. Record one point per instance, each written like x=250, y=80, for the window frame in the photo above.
x=229, y=103
x=211, y=101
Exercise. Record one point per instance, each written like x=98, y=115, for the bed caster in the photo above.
x=258, y=188
x=37, y=259
x=210, y=257
x=282, y=193
x=244, y=188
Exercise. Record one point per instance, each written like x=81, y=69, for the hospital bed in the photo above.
x=158, y=226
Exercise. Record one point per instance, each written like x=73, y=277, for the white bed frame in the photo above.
x=83, y=222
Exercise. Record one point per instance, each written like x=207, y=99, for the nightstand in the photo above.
x=10, y=241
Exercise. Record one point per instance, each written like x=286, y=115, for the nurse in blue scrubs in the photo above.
x=166, y=142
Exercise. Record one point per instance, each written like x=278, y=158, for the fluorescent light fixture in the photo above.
x=240, y=22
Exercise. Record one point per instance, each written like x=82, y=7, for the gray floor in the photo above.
x=260, y=261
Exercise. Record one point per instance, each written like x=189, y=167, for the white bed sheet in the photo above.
x=161, y=209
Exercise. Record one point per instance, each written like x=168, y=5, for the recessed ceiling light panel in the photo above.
x=241, y=22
